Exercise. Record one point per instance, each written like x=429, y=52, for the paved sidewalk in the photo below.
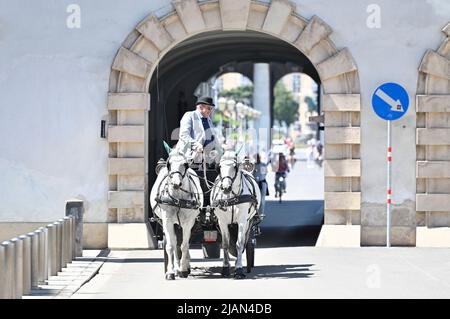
x=293, y=272
x=303, y=202
x=70, y=278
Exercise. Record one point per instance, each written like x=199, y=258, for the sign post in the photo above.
x=390, y=102
x=389, y=189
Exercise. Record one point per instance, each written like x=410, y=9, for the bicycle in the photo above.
x=280, y=185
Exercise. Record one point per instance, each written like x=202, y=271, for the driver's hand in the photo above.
x=226, y=147
x=198, y=147
x=213, y=154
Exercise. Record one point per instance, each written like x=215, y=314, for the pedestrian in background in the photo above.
x=260, y=173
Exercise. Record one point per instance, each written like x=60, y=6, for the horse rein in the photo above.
x=195, y=196
x=177, y=172
x=236, y=169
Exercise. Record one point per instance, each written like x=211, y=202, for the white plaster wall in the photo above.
x=391, y=53
x=54, y=80
x=53, y=88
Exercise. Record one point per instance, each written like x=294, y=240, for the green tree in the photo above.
x=285, y=107
x=312, y=105
x=242, y=94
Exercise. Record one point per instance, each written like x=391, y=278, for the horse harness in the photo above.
x=191, y=203
x=164, y=196
x=239, y=198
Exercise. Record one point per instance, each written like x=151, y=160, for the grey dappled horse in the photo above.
x=175, y=198
x=236, y=198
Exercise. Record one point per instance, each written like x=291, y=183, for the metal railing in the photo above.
x=28, y=261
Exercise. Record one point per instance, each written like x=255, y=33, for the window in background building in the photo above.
x=245, y=81
x=219, y=84
x=296, y=83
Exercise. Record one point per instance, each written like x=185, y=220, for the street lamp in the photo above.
x=231, y=107
x=247, y=114
x=222, y=104
x=239, y=117
x=245, y=110
x=239, y=108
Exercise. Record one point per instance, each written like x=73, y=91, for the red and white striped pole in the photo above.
x=389, y=189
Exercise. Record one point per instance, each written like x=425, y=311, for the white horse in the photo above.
x=176, y=198
x=236, y=198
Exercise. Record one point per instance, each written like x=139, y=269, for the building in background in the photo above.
x=303, y=87
x=232, y=80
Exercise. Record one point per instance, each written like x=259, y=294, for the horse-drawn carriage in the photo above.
x=216, y=204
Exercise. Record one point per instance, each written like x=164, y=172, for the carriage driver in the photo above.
x=196, y=129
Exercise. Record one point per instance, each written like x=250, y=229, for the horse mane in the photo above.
x=177, y=152
x=229, y=155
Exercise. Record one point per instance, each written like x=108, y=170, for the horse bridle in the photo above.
x=186, y=166
x=175, y=201
x=238, y=198
x=236, y=170
x=177, y=172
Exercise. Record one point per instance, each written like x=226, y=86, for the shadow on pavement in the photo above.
x=293, y=213
x=281, y=271
x=144, y=260
x=268, y=271
x=296, y=206
x=288, y=236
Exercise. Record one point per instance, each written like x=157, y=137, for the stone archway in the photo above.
x=138, y=57
x=433, y=137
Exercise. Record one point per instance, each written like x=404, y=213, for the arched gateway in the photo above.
x=129, y=103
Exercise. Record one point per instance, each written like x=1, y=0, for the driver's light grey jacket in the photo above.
x=192, y=131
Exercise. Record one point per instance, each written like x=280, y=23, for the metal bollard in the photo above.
x=26, y=284
x=71, y=237
x=18, y=268
x=3, y=273
x=63, y=242
x=58, y=246
x=8, y=269
x=67, y=242
x=34, y=258
x=75, y=207
x=51, y=233
x=3, y=289
x=74, y=238
x=43, y=251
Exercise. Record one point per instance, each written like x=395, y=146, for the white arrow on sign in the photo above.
x=395, y=105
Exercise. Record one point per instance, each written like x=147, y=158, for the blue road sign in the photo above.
x=390, y=101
